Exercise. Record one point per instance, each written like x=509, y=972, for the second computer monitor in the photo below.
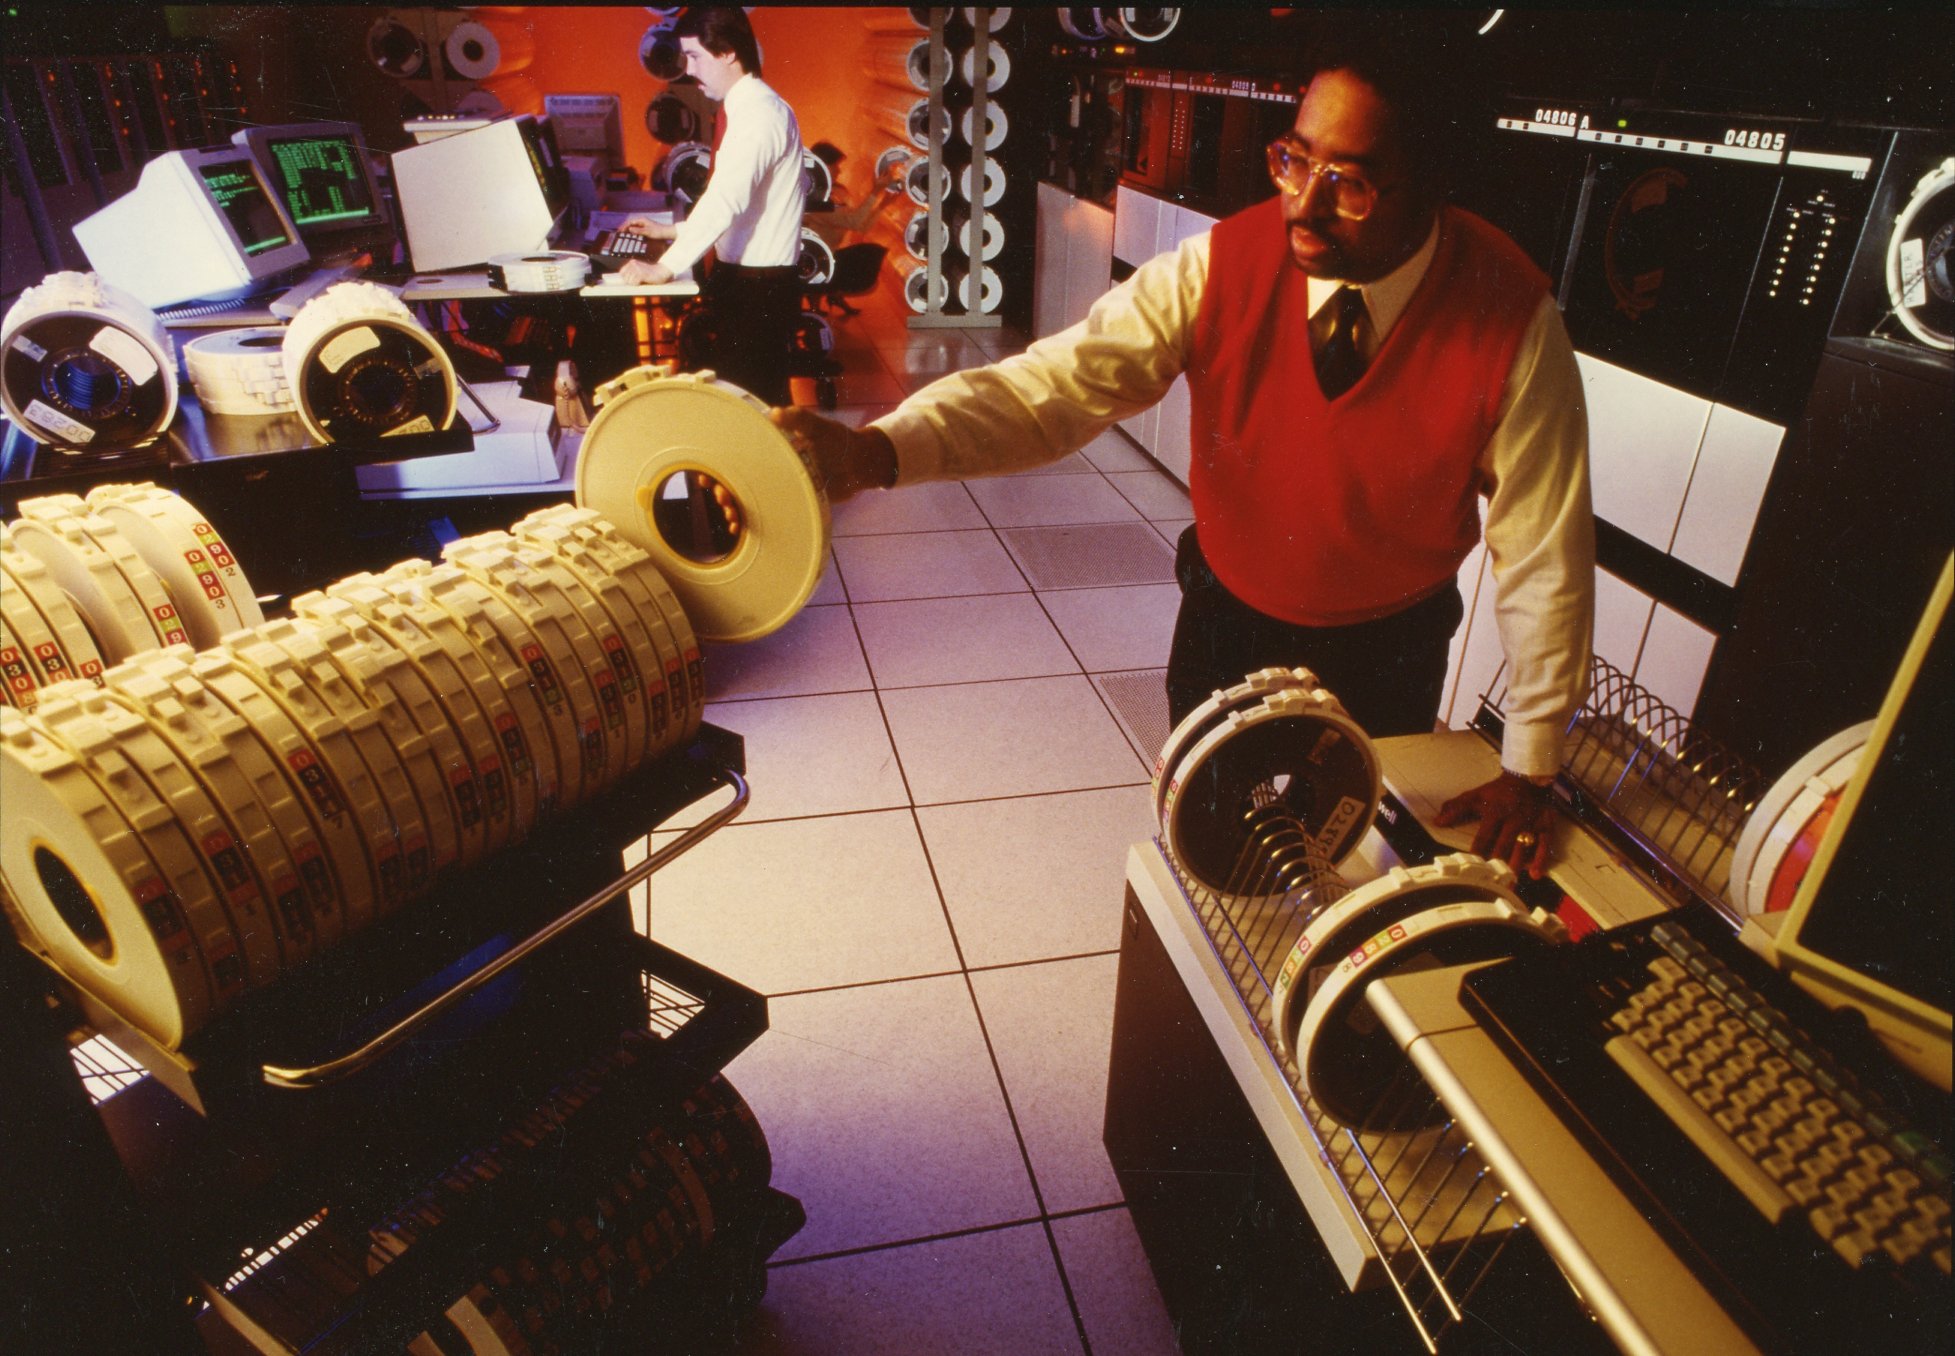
x=323, y=175
x=468, y=197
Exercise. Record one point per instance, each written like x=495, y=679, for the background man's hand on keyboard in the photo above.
x=654, y=230
x=638, y=273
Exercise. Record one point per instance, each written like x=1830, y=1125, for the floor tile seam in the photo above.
x=950, y=597
x=746, y=821
x=996, y=966
x=1066, y=1285
x=890, y=1245
x=1004, y=1091
x=881, y=983
x=1104, y=701
x=1144, y=780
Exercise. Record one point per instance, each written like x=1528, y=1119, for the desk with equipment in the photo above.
x=1720, y=1120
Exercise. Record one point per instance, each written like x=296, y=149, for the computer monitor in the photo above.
x=322, y=173
x=466, y=198
x=198, y=223
x=1873, y=924
x=587, y=124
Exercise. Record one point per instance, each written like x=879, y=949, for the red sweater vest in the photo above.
x=1325, y=512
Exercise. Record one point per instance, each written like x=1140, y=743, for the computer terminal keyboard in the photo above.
x=612, y=250
x=1777, y=1145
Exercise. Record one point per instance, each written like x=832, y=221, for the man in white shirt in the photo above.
x=750, y=213
x=1365, y=362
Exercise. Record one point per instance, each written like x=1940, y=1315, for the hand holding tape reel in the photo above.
x=1262, y=792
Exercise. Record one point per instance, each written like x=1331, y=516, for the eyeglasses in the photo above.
x=1352, y=195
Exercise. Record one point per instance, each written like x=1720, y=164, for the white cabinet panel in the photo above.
x=1622, y=617
x=1726, y=489
x=1171, y=438
x=1050, y=270
x=1642, y=439
x=1480, y=653
x=1090, y=259
x=1675, y=656
x=1136, y=219
x=1470, y=572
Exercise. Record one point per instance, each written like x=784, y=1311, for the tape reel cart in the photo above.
x=345, y=886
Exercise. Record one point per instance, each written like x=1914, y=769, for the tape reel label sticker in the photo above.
x=420, y=424
x=349, y=344
x=125, y=351
x=49, y=417
x=34, y=352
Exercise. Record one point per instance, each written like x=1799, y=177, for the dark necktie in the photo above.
x=1339, y=364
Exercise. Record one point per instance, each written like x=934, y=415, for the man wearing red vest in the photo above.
x=1365, y=364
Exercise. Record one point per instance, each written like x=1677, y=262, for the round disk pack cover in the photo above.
x=1295, y=750
x=206, y=585
x=102, y=909
x=656, y=433
x=1348, y=1057
x=1377, y=904
x=361, y=366
x=85, y=365
x=1793, y=813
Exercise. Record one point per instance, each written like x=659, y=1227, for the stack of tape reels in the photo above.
x=240, y=372
x=84, y=366
x=186, y=825
x=1262, y=792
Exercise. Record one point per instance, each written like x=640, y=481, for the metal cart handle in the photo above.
x=331, y=1070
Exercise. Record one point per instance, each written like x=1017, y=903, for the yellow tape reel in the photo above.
x=741, y=566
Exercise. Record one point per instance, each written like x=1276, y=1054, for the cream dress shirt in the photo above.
x=751, y=209
x=1065, y=390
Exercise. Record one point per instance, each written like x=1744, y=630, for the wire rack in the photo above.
x=1669, y=797
x=1434, y=1214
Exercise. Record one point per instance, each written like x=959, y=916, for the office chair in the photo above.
x=856, y=269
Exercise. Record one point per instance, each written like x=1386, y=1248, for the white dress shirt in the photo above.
x=751, y=209
x=1065, y=390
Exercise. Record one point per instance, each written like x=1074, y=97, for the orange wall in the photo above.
x=812, y=56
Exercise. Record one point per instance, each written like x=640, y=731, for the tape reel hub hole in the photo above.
x=82, y=382
x=697, y=516
x=73, y=903
x=262, y=341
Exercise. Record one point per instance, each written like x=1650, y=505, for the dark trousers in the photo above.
x=1388, y=673
x=755, y=310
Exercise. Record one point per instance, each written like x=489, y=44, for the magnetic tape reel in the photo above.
x=987, y=294
x=224, y=755
x=641, y=627
x=814, y=260
x=919, y=295
x=1294, y=758
x=1348, y=1058
x=206, y=585
x=820, y=180
x=472, y=761
x=685, y=170
x=99, y=904
x=406, y=856
x=693, y=472
x=46, y=620
x=1921, y=260
x=415, y=728
x=86, y=366
x=451, y=604
x=149, y=786
x=1335, y=932
x=544, y=272
x=1204, y=717
x=892, y=165
x=332, y=791
x=361, y=366
x=240, y=372
x=638, y=571
x=923, y=228
x=17, y=686
x=123, y=601
x=567, y=654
